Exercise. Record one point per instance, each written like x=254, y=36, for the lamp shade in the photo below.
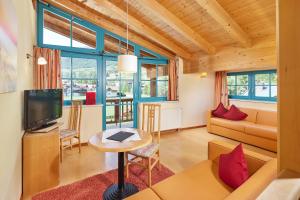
x=127, y=63
x=42, y=61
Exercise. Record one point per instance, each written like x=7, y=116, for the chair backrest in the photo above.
x=153, y=113
x=75, y=116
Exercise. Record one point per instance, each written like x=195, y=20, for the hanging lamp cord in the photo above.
x=127, y=26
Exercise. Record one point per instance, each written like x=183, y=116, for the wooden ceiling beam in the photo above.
x=109, y=9
x=216, y=11
x=92, y=16
x=178, y=25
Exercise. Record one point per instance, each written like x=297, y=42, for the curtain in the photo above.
x=221, y=90
x=47, y=76
x=173, y=81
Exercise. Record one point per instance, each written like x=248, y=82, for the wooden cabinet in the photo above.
x=40, y=161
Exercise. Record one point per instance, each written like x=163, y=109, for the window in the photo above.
x=79, y=76
x=85, y=47
x=238, y=85
x=83, y=37
x=66, y=31
x=113, y=45
x=256, y=85
x=154, y=80
x=53, y=34
x=146, y=54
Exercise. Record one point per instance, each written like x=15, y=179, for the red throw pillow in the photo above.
x=235, y=114
x=219, y=111
x=233, y=169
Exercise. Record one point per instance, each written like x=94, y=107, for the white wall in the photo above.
x=196, y=96
x=91, y=120
x=11, y=108
x=255, y=104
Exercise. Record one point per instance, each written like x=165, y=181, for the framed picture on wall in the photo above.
x=8, y=47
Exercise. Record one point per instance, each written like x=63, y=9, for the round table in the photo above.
x=122, y=189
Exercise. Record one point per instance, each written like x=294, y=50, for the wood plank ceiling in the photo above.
x=185, y=28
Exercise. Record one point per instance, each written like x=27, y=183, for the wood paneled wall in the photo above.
x=288, y=25
x=262, y=55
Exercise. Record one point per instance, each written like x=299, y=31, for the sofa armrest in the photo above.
x=254, y=160
x=252, y=188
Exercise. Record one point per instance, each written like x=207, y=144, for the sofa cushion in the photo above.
x=219, y=111
x=252, y=114
x=254, y=160
x=234, y=125
x=198, y=182
x=146, y=194
x=233, y=169
x=267, y=117
x=235, y=114
x=254, y=186
x=269, y=132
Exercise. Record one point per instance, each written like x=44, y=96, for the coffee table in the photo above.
x=122, y=189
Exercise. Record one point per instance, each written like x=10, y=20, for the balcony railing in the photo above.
x=119, y=110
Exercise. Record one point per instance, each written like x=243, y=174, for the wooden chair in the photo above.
x=149, y=154
x=73, y=130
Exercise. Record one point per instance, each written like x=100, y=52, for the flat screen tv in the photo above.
x=42, y=108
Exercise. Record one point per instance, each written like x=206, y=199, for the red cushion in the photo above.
x=90, y=98
x=235, y=114
x=233, y=169
x=219, y=111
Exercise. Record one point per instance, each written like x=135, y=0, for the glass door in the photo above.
x=119, y=97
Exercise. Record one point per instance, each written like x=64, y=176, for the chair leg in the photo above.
x=79, y=143
x=71, y=143
x=126, y=165
x=149, y=172
x=158, y=160
x=61, y=149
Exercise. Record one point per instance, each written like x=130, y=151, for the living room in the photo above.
x=178, y=85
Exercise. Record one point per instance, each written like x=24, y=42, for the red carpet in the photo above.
x=93, y=187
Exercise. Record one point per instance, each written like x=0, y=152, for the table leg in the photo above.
x=121, y=190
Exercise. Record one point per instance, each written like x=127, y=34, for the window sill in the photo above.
x=85, y=106
x=254, y=101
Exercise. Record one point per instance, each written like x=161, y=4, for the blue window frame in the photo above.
x=88, y=54
x=254, y=85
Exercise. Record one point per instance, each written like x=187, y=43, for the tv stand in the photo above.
x=40, y=161
x=47, y=127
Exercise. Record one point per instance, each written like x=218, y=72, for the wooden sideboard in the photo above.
x=40, y=161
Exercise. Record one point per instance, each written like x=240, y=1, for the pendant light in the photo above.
x=127, y=63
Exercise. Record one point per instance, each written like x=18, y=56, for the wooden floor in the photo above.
x=179, y=150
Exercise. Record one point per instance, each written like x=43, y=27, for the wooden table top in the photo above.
x=96, y=141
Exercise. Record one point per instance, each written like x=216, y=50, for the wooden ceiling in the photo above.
x=184, y=27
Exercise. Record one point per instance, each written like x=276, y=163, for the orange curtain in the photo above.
x=173, y=81
x=47, y=76
x=221, y=90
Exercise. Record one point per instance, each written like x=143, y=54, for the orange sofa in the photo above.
x=202, y=181
x=258, y=129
